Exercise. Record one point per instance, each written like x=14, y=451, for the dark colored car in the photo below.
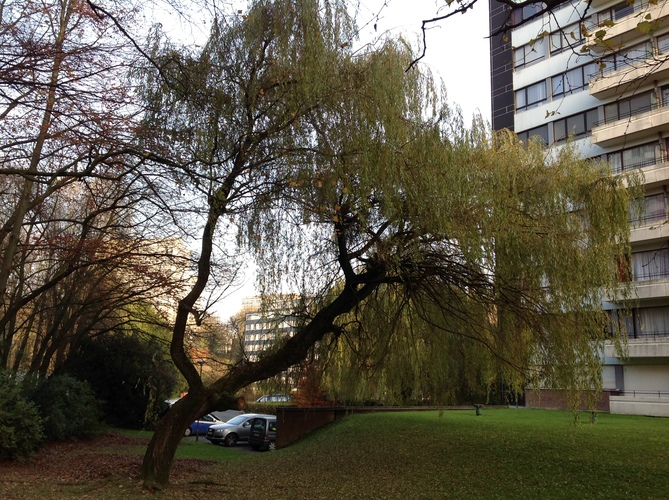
x=233, y=431
x=263, y=433
x=200, y=427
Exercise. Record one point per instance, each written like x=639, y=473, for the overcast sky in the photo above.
x=457, y=48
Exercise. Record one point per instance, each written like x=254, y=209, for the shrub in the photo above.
x=69, y=408
x=130, y=374
x=20, y=428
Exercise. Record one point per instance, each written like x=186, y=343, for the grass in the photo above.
x=504, y=453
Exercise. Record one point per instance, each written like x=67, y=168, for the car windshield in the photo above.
x=239, y=419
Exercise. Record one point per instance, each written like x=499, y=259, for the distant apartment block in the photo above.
x=267, y=322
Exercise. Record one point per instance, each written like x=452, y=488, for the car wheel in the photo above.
x=188, y=431
x=271, y=446
x=231, y=440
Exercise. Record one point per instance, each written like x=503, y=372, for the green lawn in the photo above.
x=504, y=453
x=501, y=454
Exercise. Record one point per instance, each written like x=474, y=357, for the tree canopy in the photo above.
x=352, y=180
x=428, y=254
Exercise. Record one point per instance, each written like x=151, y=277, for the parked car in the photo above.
x=233, y=431
x=263, y=433
x=274, y=398
x=200, y=427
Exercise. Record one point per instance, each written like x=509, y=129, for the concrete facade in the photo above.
x=613, y=100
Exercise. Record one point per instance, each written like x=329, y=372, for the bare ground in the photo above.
x=77, y=469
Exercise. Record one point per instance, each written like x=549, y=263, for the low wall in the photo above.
x=556, y=399
x=649, y=406
x=294, y=423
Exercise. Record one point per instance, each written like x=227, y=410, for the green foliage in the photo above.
x=21, y=430
x=68, y=407
x=129, y=373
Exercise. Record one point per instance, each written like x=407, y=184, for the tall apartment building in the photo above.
x=614, y=101
x=264, y=324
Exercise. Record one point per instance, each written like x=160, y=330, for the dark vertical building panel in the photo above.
x=501, y=69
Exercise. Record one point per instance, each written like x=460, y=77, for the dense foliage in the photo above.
x=130, y=375
x=68, y=408
x=21, y=431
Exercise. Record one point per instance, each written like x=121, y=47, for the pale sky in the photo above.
x=457, y=50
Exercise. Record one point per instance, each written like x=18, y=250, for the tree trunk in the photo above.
x=159, y=455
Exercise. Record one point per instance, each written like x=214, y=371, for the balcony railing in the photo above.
x=657, y=335
x=641, y=394
x=628, y=114
x=616, y=169
x=647, y=219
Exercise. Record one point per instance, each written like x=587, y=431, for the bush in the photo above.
x=69, y=408
x=20, y=428
x=130, y=374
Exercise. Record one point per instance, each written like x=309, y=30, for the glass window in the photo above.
x=591, y=118
x=576, y=125
x=565, y=38
x=665, y=95
x=639, y=157
x=652, y=322
x=536, y=93
x=531, y=96
x=654, y=210
x=529, y=53
x=521, y=101
x=557, y=82
x=650, y=265
x=536, y=51
x=623, y=9
x=559, y=130
x=663, y=44
x=574, y=79
x=519, y=57
x=538, y=133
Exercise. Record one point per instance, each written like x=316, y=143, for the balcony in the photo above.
x=644, y=122
x=651, y=232
x=625, y=30
x=651, y=346
x=656, y=175
x=629, y=79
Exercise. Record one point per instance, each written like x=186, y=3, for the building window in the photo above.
x=650, y=265
x=529, y=53
x=565, y=38
x=654, y=210
x=538, y=133
x=621, y=10
x=577, y=125
x=520, y=15
x=637, y=157
x=663, y=44
x=627, y=58
x=626, y=108
x=574, y=80
x=643, y=322
x=531, y=96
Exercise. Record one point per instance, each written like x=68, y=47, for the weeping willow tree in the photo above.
x=351, y=180
x=514, y=278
